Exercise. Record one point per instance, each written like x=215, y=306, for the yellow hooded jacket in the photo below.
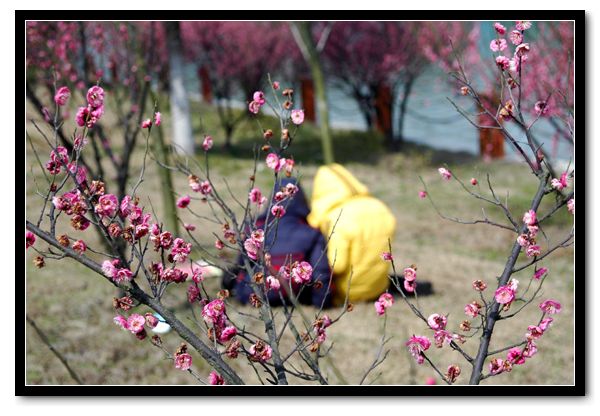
x=360, y=236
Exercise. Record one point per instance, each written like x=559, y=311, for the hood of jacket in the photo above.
x=333, y=186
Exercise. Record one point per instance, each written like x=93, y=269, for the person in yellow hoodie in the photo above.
x=357, y=238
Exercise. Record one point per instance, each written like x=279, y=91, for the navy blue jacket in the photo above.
x=293, y=237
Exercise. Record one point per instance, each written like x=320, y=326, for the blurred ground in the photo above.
x=74, y=307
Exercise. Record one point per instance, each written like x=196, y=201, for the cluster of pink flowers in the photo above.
x=183, y=361
x=58, y=158
x=117, y=274
x=277, y=164
x=528, y=240
x=180, y=251
x=203, y=187
x=416, y=346
x=214, y=314
x=301, y=272
x=562, y=183
x=410, y=279
x=256, y=197
x=89, y=115
x=260, y=351
x=135, y=323
x=146, y=124
x=254, y=243
x=516, y=355
x=257, y=102
x=521, y=49
x=386, y=300
x=319, y=327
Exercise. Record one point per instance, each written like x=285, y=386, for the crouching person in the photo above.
x=295, y=254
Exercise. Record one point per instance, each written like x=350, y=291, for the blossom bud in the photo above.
x=39, y=262
x=63, y=240
x=267, y=134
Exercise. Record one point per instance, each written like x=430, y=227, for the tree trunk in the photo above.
x=303, y=36
x=166, y=182
x=399, y=139
x=180, y=106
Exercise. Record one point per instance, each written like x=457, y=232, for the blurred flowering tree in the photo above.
x=126, y=57
x=367, y=58
x=236, y=56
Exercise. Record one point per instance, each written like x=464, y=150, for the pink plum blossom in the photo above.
x=146, y=124
x=107, y=205
x=539, y=273
x=254, y=107
x=410, y=274
x=95, y=96
x=472, y=309
x=533, y=250
x=62, y=96
x=500, y=29
x=275, y=85
x=498, y=45
x=122, y=275
x=151, y=320
x=255, y=196
x=562, y=183
x=228, y=333
x=79, y=246
x=260, y=351
x=302, y=272
x=259, y=97
x=29, y=239
x=109, y=268
x=516, y=37
x=214, y=379
x=571, y=206
x=387, y=256
x=121, y=322
x=272, y=283
x=135, y=323
x=504, y=295
x=550, y=306
x=445, y=173
x=207, y=144
x=546, y=323
x=180, y=250
x=184, y=201
x=530, y=217
x=272, y=161
x=496, y=366
x=523, y=24
x=183, y=361
x=386, y=300
x=416, y=346
x=422, y=194
x=278, y=211
x=437, y=321
x=503, y=62
x=213, y=311
x=297, y=117
x=157, y=118
x=515, y=356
